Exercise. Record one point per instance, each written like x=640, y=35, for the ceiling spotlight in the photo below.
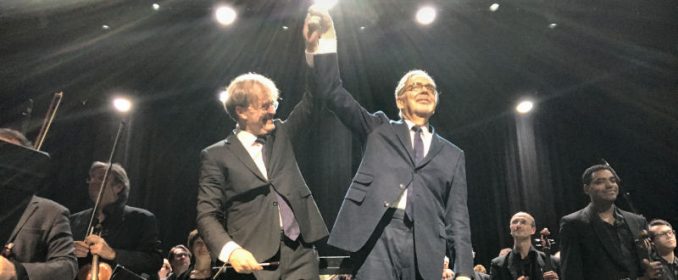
x=553, y=25
x=426, y=15
x=362, y=28
x=223, y=95
x=156, y=6
x=325, y=4
x=525, y=107
x=494, y=7
x=122, y=104
x=105, y=27
x=225, y=15
x=285, y=27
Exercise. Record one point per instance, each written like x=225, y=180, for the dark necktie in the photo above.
x=418, y=144
x=289, y=224
x=418, y=156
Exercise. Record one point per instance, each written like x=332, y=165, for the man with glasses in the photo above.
x=128, y=235
x=253, y=204
x=406, y=208
x=664, y=239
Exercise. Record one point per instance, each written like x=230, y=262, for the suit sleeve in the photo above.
x=60, y=258
x=457, y=225
x=305, y=113
x=495, y=269
x=570, y=252
x=210, y=206
x=339, y=100
x=146, y=258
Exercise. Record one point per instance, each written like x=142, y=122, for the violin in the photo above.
x=545, y=244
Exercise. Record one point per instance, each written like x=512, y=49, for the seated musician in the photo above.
x=35, y=231
x=128, y=235
x=523, y=261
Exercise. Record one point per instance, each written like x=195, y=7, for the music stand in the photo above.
x=22, y=168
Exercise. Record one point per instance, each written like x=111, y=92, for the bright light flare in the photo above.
x=325, y=4
x=223, y=95
x=494, y=7
x=525, y=106
x=122, y=104
x=156, y=6
x=426, y=15
x=225, y=15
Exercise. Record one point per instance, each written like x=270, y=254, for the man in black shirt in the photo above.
x=597, y=242
x=129, y=235
x=664, y=239
x=524, y=261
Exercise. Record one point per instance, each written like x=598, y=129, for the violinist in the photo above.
x=523, y=261
x=664, y=239
x=598, y=241
x=34, y=231
x=128, y=235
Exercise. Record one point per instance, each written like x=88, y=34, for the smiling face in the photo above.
x=603, y=187
x=257, y=118
x=418, y=99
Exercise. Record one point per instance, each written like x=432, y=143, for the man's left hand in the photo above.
x=7, y=269
x=98, y=246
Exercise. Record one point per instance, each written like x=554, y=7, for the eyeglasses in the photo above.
x=418, y=86
x=665, y=233
x=273, y=103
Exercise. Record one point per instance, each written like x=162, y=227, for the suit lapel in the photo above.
x=433, y=150
x=234, y=145
x=599, y=229
x=632, y=223
x=268, y=152
x=30, y=209
x=403, y=133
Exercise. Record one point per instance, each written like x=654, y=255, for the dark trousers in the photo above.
x=298, y=260
x=389, y=253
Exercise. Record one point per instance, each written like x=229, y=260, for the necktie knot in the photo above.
x=260, y=140
x=417, y=129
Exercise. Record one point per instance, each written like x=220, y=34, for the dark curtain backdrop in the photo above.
x=604, y=82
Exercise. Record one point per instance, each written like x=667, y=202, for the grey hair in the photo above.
x=118, y=174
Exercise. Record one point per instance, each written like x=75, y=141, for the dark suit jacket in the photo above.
x=439, y=182
x=133, y=234
x=586, y=255
x=236, y=202
x=507, y=267
x=43, y=243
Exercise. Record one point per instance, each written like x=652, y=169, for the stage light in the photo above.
x=285, y=27
x=524, y=107
x=426, y=15
x=553, y=25
x=122, y=104
x=225, y=15
x=325, y=4
x=156, y=6
x=105, y=27
x=494, y=7
x=223, y=95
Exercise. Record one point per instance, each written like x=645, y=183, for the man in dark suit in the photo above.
x=406, y=208
x=524, y=261
x=253, y=204
x=598, y=242
x=36, y=232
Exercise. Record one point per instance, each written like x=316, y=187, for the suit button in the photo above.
x=275, y=203
x=386, y=204
x=402, y=186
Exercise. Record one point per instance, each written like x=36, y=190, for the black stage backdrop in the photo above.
x=604, y=80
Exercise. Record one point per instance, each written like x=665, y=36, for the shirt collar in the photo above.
x=424, y=129
x=245, y=137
